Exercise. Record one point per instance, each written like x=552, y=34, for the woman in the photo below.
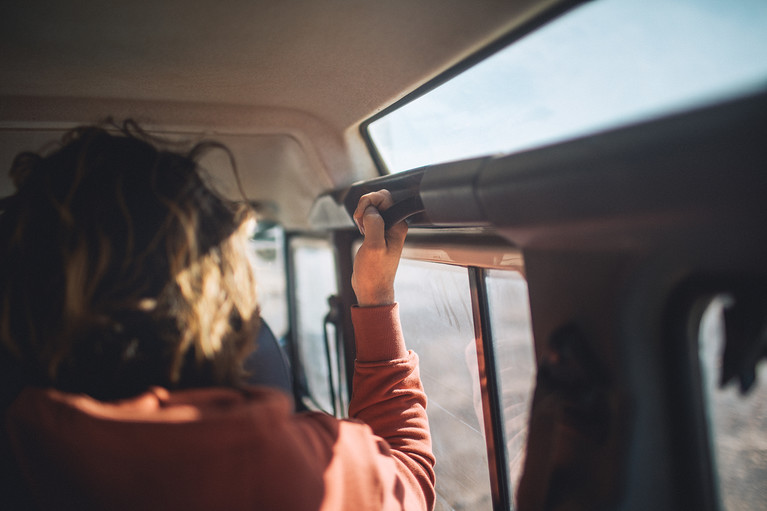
x=127, y=308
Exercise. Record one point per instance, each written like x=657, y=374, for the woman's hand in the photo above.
x=376, y=263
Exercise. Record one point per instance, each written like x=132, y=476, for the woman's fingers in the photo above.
x=381, y=200
x=373, y=227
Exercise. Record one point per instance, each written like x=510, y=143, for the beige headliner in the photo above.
x=284, y=83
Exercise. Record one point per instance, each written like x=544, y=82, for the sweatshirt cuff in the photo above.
x=378, y=333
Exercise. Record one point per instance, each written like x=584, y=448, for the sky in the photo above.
x=605, y=64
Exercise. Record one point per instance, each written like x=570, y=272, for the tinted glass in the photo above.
x=435, y=306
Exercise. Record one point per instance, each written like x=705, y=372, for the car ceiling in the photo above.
x=285, y=84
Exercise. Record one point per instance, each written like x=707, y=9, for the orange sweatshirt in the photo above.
x=220, y=448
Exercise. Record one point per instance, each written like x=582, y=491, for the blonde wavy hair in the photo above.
x=121, y=269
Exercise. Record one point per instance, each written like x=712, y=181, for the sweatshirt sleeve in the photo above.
x=388, y=396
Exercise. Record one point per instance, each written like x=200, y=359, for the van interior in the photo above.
x=585, y=285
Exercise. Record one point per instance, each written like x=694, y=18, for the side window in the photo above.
x=438, y=323
x=511, y=327
x=736, y=422
x=435, y=307
x=269, y=249
x=315, y=282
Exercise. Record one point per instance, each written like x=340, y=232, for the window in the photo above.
x=604, y=64
x=315, y=282
x=511, y=327
x=736, y=422
x=435, y=308
x=438, y=322
x=268, y=247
